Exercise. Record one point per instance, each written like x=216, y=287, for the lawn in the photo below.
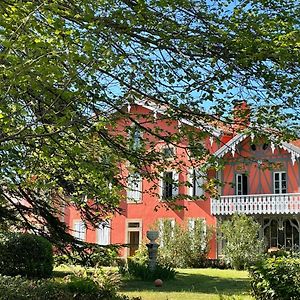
x=193, y=284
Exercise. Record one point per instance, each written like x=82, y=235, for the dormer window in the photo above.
x=136, y=137
x=168, y=151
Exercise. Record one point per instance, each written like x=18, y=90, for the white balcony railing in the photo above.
x=256, y=204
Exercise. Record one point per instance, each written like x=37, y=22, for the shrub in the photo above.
x=99, y=283
x=181, y=246
x=25, y=254
x=142, y=271
x=212, y=263
x=242, y=245
x=138, y=267
x=98, y=256
x=276, y=278
x=19, y=288
x=80, y=286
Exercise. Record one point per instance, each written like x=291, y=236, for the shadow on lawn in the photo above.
x=196, y=283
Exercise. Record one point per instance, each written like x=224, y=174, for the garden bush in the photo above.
x=98, y=256
x=78, y=286
x=242, y=245
x=25, y=254
x=276, y=278
x=138, y=267
x=143, y=272
x=212, y=263
x=181, y=246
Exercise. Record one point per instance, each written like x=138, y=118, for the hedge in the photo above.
x=276, y=278
x=26, y=255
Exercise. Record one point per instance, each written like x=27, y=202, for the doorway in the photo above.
x=134, y=236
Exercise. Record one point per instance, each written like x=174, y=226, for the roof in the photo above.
x=161, y=109
x=230, y=146
x=292, y=147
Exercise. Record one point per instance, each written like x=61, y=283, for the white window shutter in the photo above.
x=190, y=179
x=175, y=184
x=103, y=234
x=160, y=231
x=191, y=225
x=204, y=226
x=172, y=222
x=204, y=233
x=199, y=183
x=161, y=185
x=79, y=230
x=134, y=187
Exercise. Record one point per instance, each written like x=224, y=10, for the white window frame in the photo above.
x=79, y=230
x=103, y=233
x=280, y=181
x=136, y=139
x=172, y=151
x=134, y=188
x=196, y=180
x=240, y=184
x=135, y=229
x=191, y=227
x=175, y=184
x=161, y=227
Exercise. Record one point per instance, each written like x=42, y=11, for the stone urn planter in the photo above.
x=152, y=235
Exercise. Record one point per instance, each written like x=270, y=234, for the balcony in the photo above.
x=256, y=204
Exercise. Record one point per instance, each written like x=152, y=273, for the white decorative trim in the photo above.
x=230, y=146
x=292, y=149
x=272, y=147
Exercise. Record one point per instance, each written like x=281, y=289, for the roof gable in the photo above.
x=231, y=145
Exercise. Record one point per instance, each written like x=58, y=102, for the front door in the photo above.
x=134, y=241
x=134, y=236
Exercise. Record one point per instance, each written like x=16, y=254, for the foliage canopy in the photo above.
x=68, y=69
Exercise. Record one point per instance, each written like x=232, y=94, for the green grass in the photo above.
x=193, y=284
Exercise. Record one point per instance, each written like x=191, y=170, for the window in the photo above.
x=103, y=233
x=195, y=178
x=136, y=137
x=79, y=230
x=168, y=151
x=197, y=229
x=166, y=230
x=280, y=186
x=134, y=187
x=133, y=224
x=169, y=185
x=241, y=184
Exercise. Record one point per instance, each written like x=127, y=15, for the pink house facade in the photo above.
x=258, y=179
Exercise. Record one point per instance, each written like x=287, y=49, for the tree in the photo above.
x=68, y=69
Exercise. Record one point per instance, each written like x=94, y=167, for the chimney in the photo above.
x=241, y=115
